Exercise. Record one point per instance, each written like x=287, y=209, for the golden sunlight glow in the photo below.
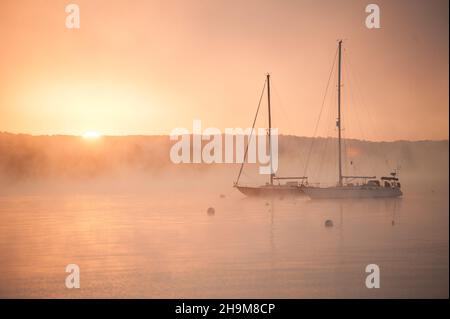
x=91, y=135
x=100, y=77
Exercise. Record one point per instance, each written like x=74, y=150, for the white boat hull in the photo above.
x=351, y=192
x=271, y=190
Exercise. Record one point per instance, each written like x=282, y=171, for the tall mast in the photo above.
x=338, y=123
x=270, y=128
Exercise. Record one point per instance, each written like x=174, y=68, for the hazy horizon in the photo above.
x=299, y=136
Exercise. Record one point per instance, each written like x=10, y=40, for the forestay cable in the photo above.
x=251, y=132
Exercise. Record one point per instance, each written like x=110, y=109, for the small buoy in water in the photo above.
x=328, y=223
x=211, y=211
x=222, y=196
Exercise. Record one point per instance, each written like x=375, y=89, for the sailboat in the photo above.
x=274, y=187
x=370, y=186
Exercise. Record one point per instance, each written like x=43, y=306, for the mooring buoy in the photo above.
x=328, y=223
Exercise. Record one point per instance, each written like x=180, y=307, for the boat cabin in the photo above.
x=373, y=182
x=390, y=182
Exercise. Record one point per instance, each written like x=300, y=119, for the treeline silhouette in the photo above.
x=25, y=156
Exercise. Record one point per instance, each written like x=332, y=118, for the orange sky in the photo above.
x=146, y=67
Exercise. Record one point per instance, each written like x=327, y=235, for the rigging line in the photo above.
x=346, y=146
x=330, y=146
x=322, y=143
x=344, y=117
x=346, y=136
x=353, y=72
x=281, y=107
x=280, y=103
x=324, y=153
x=328, y=138
x=356, y=106
x=364, y=158
x=334, y=147
x=251, y=132
x=351, y=105
x=351, y=100
x=320, y=115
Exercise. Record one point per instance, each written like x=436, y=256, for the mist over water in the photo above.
x=138, y=226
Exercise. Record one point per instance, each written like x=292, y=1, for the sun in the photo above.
x=91, y=135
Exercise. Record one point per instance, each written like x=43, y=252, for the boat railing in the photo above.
x=291, y=177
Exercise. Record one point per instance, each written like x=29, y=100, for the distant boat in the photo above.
x=292, y=187
x=370, y=187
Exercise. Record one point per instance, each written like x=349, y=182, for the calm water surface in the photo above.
x=157, y=247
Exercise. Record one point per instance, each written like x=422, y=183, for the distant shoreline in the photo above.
x=280, y=135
